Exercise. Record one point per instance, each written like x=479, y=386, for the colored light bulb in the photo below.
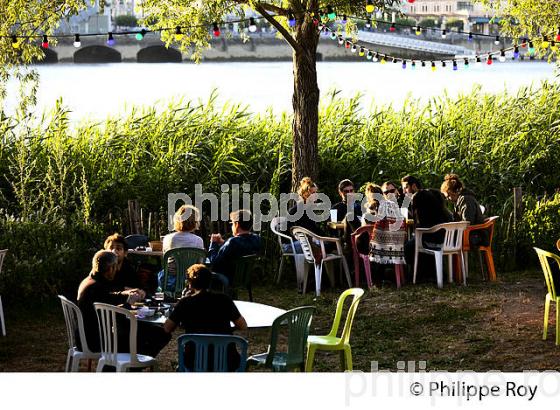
x=369, y=6
x=497, y=40
x=291, y=20
x=253, y=25
x=433, y=66
x=368, y=23
x=333, y=35
x=347, y=44
x=558, y=35
x=45, y=43
x=423, y=64
x=15, y=42
x=362, y=51
x=411, y=1
x=340, y=40
x=489, y=60
x=418, y=30
x=455, y=68
x=216, y=30
x=392, y=28
x=404, y=65
x=466, y=63
x=344, y=19
x=330, y=13
x=443, y=65
x=383, y=61
x=375, y=58
x=444, y=33
x=369, y=55
x=470, y=37
x=502, y=57
x=178, y=34
x=516, y=52
x=545, y=42
x=531, y=48
x=140, y=36
x=478, y=63
x=77, y=42
x=110, y=39
x=413, y=65
x=354, y=48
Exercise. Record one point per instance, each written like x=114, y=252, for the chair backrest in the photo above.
x=219, y=283
x=354, y=236
x=275, y=225
x=545, y=265
x=108, y=332
x=133, y=241
x=220, y=345
x=453, y=235
x=490, y=223
x=244, y=267
x=558, y=244
x=303, y=235
x=3, y=253
x=357, y=293
x=182, y=258
x=74, y=324
x=297, y=321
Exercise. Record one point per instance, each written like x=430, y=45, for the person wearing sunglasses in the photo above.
x=348, y=207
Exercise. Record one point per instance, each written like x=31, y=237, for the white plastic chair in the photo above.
x=305, y=237
x=2, y=321
x=299, y=260
x=452, y=245
x=108, y=331
x=75, y=326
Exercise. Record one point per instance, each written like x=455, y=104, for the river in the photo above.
x=97, y=90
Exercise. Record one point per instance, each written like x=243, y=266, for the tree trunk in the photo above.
x=305, y=102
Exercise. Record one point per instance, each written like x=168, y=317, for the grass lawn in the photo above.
x=484, y=326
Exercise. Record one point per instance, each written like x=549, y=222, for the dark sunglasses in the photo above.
x=348, y=191
x=389, y=191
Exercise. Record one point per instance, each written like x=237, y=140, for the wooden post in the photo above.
x=134, y=216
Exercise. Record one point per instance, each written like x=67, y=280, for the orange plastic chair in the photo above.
x=558, y=244
x=488, y=225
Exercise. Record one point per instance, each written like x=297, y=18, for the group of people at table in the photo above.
x=114, y=280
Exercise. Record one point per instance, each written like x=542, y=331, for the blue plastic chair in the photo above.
x=297, y=322
x=220, y=344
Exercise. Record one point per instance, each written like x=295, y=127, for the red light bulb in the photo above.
x=216, y=30
x=392, y=28
x=45, y=43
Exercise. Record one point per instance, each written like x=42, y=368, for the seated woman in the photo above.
x=185, y=222
x=466, y=207
x=98, y=287
x=202, y=311
x=429, y=210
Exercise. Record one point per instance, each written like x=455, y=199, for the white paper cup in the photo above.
x=334, y=215
x=404, y=213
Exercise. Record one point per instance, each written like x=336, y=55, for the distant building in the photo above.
x=90, y=20
x=469, y=12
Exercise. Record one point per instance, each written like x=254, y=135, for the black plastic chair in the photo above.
x=243, y=273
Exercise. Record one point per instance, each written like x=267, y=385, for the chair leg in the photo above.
x=100, y=365
x=348, y=356
x=346, y=271
x=483, y=274
x=356, y=268
x=490, y=265
x=367, y=271
x=463, y=267
x=2, y=320
x=280, y=269
x=466, y=264
x=305, y=274
x=310, y=357
x=450, y=268
x=415, y=266
x=546, y=313
x=557, y=323
x=299, y=262
x=398, y=275
x=342, y=357
x=68, y=361
x=439, y=268
x=75, y=365
x=318, y=272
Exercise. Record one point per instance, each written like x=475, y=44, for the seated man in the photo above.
x=98, y=287
x=343, y=208
x=222, y=254
x=202, y=311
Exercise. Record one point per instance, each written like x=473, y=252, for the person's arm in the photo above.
x=217, y=254
x=169, y=326
x=467, y=210
x=240, y=323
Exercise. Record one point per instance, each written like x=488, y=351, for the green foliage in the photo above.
x=455, y=23
x=126, y=20
x=428, y=22
x=541, y=221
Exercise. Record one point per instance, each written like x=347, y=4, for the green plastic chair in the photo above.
x=183, y=258
x=220, y=349
x=243, y=275
x=551, y=295
x=297, y=321
x=331, y=341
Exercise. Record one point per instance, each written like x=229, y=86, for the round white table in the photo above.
x=256, y=315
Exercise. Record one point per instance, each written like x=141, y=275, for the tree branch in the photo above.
x=285, y=33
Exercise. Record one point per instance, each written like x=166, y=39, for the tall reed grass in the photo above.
x=83, y=175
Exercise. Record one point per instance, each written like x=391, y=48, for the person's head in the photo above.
x=199, y=277
x=186, y=219
x=241, y=221
x=345, y=187
x=389, y=188
x=306, y=188
x=116, y=243
x=451, y=187
x=104, y=263
x=410, y=184
x=372, y=198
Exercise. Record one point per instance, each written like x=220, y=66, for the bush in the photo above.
x=540, y=225
x=428, y=22
x=455, y=23
x=126, y=20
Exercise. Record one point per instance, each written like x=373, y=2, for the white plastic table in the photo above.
x=256, y=315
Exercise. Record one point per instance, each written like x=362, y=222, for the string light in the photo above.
x=423, y=64
x=140, y=36
x=369, y=55
x=392, y=28
x=478, y=63
x=502, y=57
x=444, y=33
x=404, y=64
x=333, y=35
x=497, y=41
x=252, y=25
x=178, y=35
x=383, y=61
x=368, y=23
x=347, y=44
x=433, y=66
x=77, y=42
x=545, y=42
x=489, y=60
x=466, y=63
x=375, y=58
x=470, y=38
x=558, y=35
x=45, y=42
x=330, y=13
x=515, y=52
x=455, y=68
x=15, y=42
x=531, y=48
x=369, y=6
x=354, y=48
x=413, y=65
x=291, y=20
x=216, y=30
x=362, y=51
x=340, y=40
x=110, y=39
x=443, y=65
x=344, y=19
x=418, y=30
x=411, y=1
